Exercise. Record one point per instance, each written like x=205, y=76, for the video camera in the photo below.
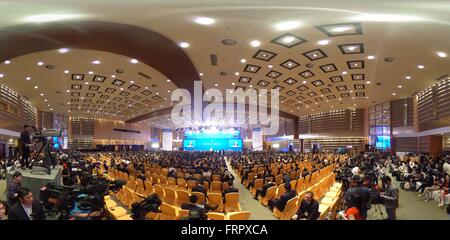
x=150, y=204
x=89, y=197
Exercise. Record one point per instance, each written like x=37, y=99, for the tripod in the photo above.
x=48, y=158
x=379, y=210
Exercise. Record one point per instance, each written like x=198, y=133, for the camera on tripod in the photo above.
x=150, y=204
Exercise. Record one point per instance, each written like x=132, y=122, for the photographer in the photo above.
x=149, y=205
x=25, y=144
x=357, y=188
x=390, y=195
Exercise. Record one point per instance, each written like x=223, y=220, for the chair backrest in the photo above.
x=300, y=186
x=148, y=187
x=232, y=199
x=245, y=215
x=162, y=180
x=271, y=193
x=159, y=190
x=258, y=183
x=281, y=190
x=170, y=195
x=216, y=186
x=293, y=184
x=198, y=176
x=181, y=183
x=183, y=214
x=290, y=209
x=215, y=177
x=182, y=197
x=201, y=197
x=171, y=181
x=215, y=216
x=191, y=184
x=168, y=212
x=215, y=199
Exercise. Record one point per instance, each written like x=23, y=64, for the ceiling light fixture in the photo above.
x=204, y=20
x=28, y=78
x=408, y=77
x=288, y=39
x=66, y=71
x=269, y=66
x=42, y=94
x=344, y=73
x=399, y=86
x=35, y=87
x=201, y=74
x=168, y=80
x=40, y=63
x=420, y=66
x=236, y=73
x=288, y=25
x=7, y=62
x=304, y=82
x=134, y=61
x=323, y=42
x=340, y=29
x=184, y=45
x=255, y=43
x=216, y=85
x=96, y=62
x=370, y=57
x=394, y=94
x=63, y=50
x=368, y=82
x=243, y=60
x=441, y=54
x=86, y=83
x=1, y=75
x=42, y=18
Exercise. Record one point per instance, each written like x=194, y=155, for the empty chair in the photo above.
x=171, y=181
x=215, y=216
x=148, y=188
x=249, y=179
x=162, y=180
x=191, y=184
x=299, y=186
x=181, y=183
x=182, y=197
x=232, y=202
x=215, y=177
x=271, y=193
x=169, y=196
x=159, y=190
x=216, y=187
x=215, y=199
x=245, y=215
x=168, y=212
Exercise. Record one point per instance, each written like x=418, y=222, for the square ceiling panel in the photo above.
x=264, y=55
x=308, y=102
x=328, y=68
x=134, y=87
x=360, y=94
x=94, y=87
x=317, y=83
x=290, y=93
x=117, y=98
x=358, y=77
x=146, y=93
x=306, y=74
x=341, y=88
x=289, y=64
x=156, y=97
x=100, y=101
x=273, y=74
x=312, y=94
x=319, y=99
x=239, y=88
x=341, y=29
x=345, y=95
x=118, y=82
x=262, y=83
x=124, y=93
x=243, y=79
x=290, y=81
x=136, y=97
x=290, y=101
x=110, y=90
x=104, y=96
x=98, y=78
x=315, y=54
x=336, y=79
x=74, y=100
x=359, y=86
x=325, y=90
x=331, y=97
x=355, y=64
x=282, y=98
x=353, y=48
x=251, y=68
x=146, y=101
x=76, y=86
x=90, y=95
x=288, y=40
x=113, y=103
x=303, y=88
x=77, y=77
x=278, y=87
x=300, y=98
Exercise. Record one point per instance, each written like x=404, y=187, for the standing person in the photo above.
x=14, y=188
x=357, y=187
x=390, y=197
x=25, y=142
x=27, y=208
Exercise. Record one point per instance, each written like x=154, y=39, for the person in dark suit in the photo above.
x=231, y=189
x=25, y=142
x=390, y=197
x=195, y=212
x=14, y=188
x=200, y=188
x=280, y=203
x=26, y=208
x=266, y=186
x=308, y=209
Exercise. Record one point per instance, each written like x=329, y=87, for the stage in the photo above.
x=37, y=177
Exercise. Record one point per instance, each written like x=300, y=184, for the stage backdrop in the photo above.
x=212, y=140
x=167, y=139
x=257, y=139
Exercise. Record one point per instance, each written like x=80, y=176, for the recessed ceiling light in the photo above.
x=157, y=93
x=288, y=39
x=51, y=109
x=340, y=29
x=370, y=57
x=63, y=50
x=86, y=83
x=351, y=48
x=66, y=71
x=184, y=45
x=420, y=66
x=394, y=94
x=408, y=77
x=134, y=60
x=251, y=86
x=67, y=90
x=45, y=100
x=323, y=42
x=399, y=86
x=243, y=60
x=441, y=54
x=40, y=63
x=255, y=43
x=233, y=83
x=168, y=80
x=121, y=89
x=215, y=84
x=351, y=91
x=131, y=82
x=288, y=25
x=96, y=62
x=42, y=94
x=269, y=66
x=344, y=73
x=204, y=20
x=1, y=75
x=368, y=82
x=28, y=78
x=304, y=82
x=7, y=62
x=201, y=74
x=36, y=87
x=236, y=73
x=91, y=72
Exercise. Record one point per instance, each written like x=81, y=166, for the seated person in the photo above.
x=266, y=186
x=196, y=212
x=200, y=187
x=308, y=209
x=231, y=189
x=280, y=203
x=26, y=208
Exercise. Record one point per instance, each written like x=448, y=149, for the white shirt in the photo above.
x=28, y=210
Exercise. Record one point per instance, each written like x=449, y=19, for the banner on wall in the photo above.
x=257, y=139
x=167, y=138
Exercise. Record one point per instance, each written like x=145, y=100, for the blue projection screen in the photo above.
x=212, y=141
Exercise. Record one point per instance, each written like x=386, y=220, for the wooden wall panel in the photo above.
x=409, y=144
x=335, y=121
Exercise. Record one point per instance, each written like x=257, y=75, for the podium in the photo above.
x=37, y=177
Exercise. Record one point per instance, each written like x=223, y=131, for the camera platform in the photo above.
x=37, y=177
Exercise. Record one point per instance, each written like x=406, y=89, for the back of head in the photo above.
x=23, y=192
x=287, y=186
x=230, y=183
x=193, y=199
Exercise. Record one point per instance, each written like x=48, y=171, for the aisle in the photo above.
x=258, y=211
